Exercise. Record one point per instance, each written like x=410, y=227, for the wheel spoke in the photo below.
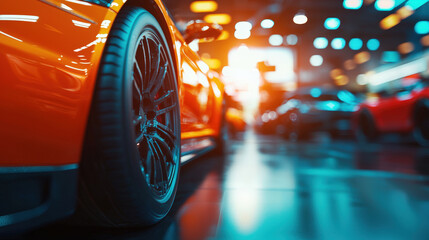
x=140, y=138
x=167, y=151
x=162, y=99
x=138, y=72
x=162, y=163
x=159, y=79
x=155, y=64
x=165, y=131
x=165, y=110
x=159, y=163
x=138, y=91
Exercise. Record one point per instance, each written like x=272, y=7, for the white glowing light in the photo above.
x=300, y=18
x=316, y=60
x=275, y=40
x=267, y=23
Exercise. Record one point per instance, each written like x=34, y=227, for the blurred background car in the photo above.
x=403, y=109
x=317, y=109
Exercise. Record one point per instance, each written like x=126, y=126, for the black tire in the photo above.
x=366, y=130
x=131, y=157
x=421, y=123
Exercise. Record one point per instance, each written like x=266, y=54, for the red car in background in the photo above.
x=404, y=110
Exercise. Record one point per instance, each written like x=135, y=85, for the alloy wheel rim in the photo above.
x=155, y=111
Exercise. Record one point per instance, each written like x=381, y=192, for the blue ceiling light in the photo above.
x=332, y=23
x=414, y=4
x=352, y=4
x=422, y=27
x=338, y=43
x=355, y=44
x=390, y=56
x=315, y=92
x=373, y=44
x=320, y=42
x=384, y=5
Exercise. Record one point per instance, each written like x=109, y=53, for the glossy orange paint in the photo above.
x=50, y=51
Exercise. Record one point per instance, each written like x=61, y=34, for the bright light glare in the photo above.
x=352, y=4
x=242, y=34
x=300, y=18
x=316, y=60
x=276, y=40
x=373, y=44
x=422, y=27
x=398, y=72
x=243, y=26
x=338, y=43
x=267, y=23
x=332, y=23
x=219, y=18
x=320, y=42
x=247, y=58
x=355, y=44
x=384, y=5
x=292, y=39
x=203, y=6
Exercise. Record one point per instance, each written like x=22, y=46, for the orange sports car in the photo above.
x=100, y=102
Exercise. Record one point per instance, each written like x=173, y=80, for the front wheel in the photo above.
x=131, y=158
x=366, y=130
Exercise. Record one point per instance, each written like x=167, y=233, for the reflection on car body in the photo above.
x=98, y=88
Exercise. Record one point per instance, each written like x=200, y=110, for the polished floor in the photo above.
x=268, y=188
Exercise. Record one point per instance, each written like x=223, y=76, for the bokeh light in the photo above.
x=320, y=42
x=352, y=4
x=291, y=39
x=316, y=60
x=332, y=23
x=373, y=44
x=338, y=43
x=355, y=44
x=267, y=23
x=300, y=18
x=422, y=27
x=276, y=40
x=203, y=6
x=384, y=5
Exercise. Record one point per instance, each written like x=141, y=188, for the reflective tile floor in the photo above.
x=268, y=188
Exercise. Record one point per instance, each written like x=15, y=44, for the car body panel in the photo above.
x=49, y=75
x=395, y=113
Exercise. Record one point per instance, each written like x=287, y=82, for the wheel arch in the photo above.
x=158, y=10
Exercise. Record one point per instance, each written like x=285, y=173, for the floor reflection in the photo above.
x=265, y=187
